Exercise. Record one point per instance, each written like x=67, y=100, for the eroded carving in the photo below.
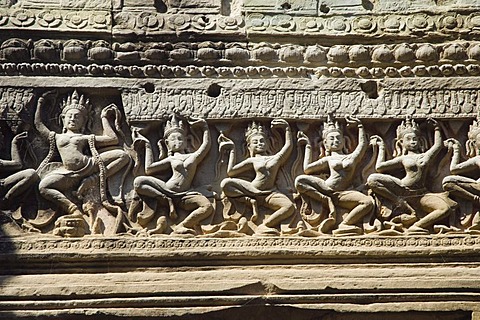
x=262, y=190
x=176, y=192
x=336, y=190
x=82, y=194
x=462, y=187
x=86, y=161
x=413, y=208
x=15, y=181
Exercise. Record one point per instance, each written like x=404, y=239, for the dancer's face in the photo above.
x=74, y=120
x=410, y=142
x=257, y=144
x=176, y=142
x=334, y=141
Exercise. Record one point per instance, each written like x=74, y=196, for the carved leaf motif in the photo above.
x=22, y=18
x=473, y=21
x=124, y=20
x=179, y=22
x=364, y=25
x=283, y=23
x=230, y=23
x=420, y=22
x=76, y=20
x=149, y=21
x=339, y=24
x=310, y=24
x=450, y=22
x=49, y=19
x=257, y=22
x=392, y=23
x=3, y=17
x=202, y=22
x=100, y=20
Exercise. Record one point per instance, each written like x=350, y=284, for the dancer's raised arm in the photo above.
x=457, y=167
x=202, y=151
x=359, y=151
x=437, y=140
x=39, y=125
x=383, y=165
x=109, y=136
x=287, y=148
x=16, y=162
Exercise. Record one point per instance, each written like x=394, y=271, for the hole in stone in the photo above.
x=149, y=87
x=214, y=90
x=367, y=4
x=324, y=8
x=370, y=88
x=205, y=19
x=160, y=6
x=286, y=6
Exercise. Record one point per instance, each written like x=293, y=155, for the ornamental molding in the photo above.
x=53, y=19
x=240, y=72
x=250, y=24
x=412, y=25
x=262, y=98
x=421, y=59
x=320, y=249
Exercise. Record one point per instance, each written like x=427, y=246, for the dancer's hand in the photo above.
x=302, y=138
x=351, y=120
x=279, y=123
x=19, y=137
x=109, y=110
x=224, y=143
x=198, y=123
x=452, y=144
x=376, y=141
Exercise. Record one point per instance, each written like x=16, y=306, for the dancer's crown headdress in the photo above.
x=173, y=125
x=407, y=126
x=330, y=126
x=74, y=101
x=253, y=129
x=474, y=129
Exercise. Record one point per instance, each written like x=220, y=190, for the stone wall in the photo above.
x=239, y=159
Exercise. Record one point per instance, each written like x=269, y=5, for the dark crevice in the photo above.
x=149, y=87
x=286, y=6
x=370, y=88
x=160, y=6
x=324, y=8
x=214, y=90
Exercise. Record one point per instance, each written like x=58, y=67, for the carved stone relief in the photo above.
x=200, y=158
x=94, y=173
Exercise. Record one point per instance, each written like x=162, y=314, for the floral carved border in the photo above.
x=351, y=246
x=54, y=19
x=411, y=24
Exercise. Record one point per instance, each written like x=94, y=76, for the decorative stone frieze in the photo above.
x=421, y=59
x=294, y=159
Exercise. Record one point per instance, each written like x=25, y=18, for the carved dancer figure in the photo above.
x=410, y=194
x=464, y=187
x=342, y=168
x=261, y=190
x=78, y=170
x=15, y=181
x=177, y=189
